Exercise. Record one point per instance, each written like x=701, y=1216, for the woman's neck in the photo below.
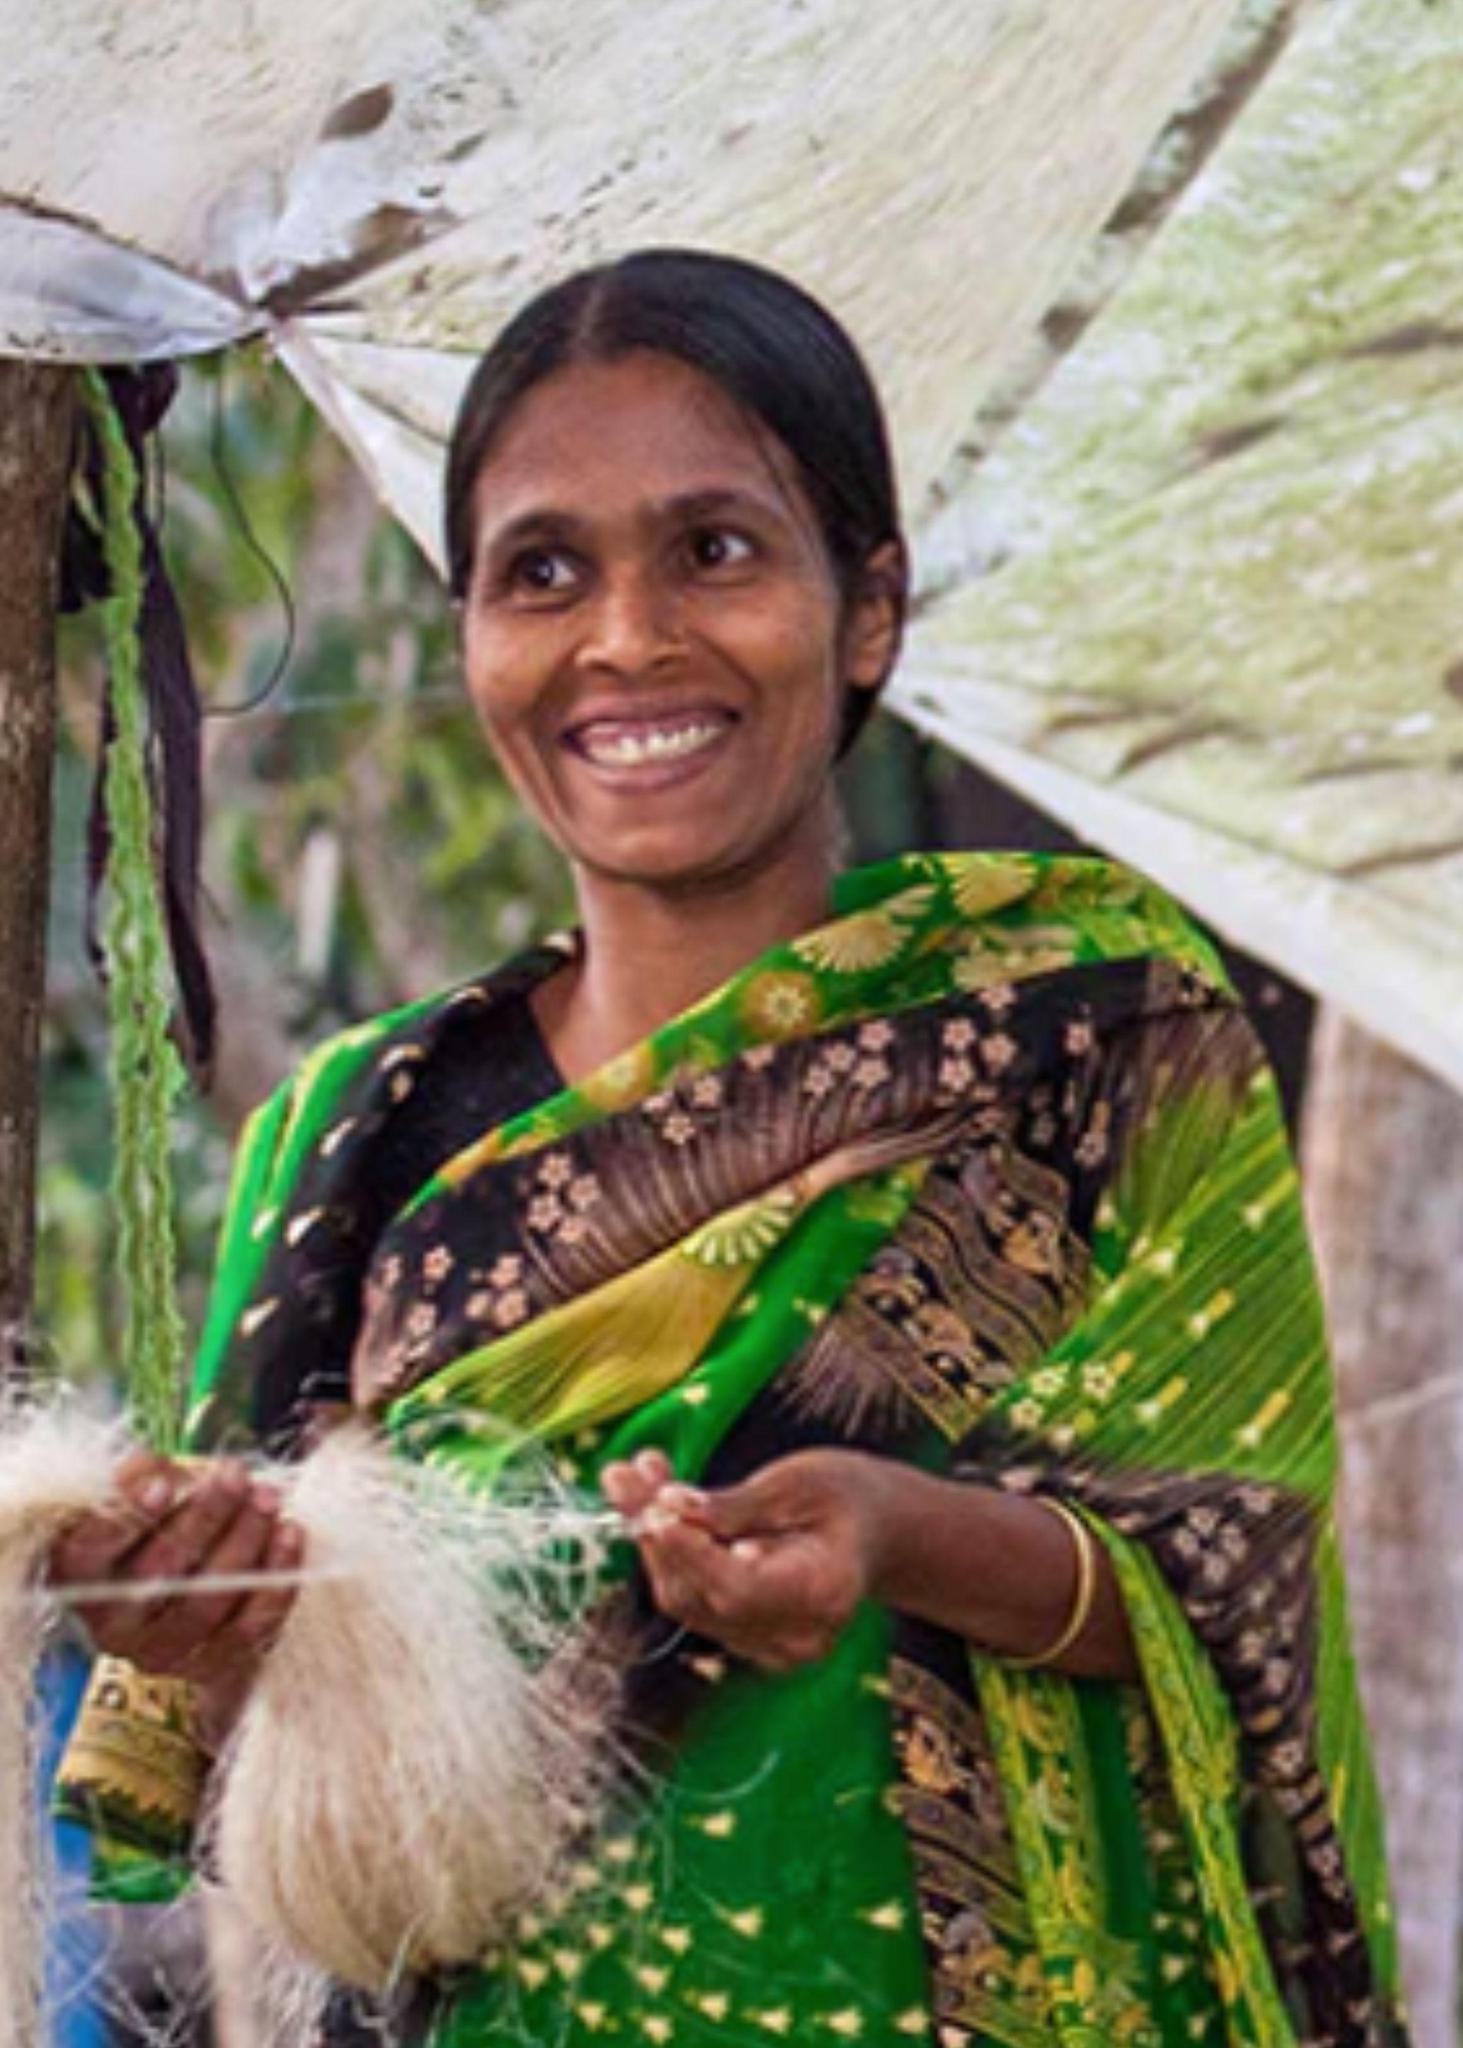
x=649, y=953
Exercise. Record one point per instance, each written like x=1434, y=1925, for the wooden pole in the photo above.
x=36, y=413
x=1384, y=1178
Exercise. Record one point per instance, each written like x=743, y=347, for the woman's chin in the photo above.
x=671, y=862
x=702, y=849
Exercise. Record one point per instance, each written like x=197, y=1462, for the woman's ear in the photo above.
x=874, y=626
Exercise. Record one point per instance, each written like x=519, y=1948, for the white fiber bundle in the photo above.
x=399, y=1784
x=55, y=1464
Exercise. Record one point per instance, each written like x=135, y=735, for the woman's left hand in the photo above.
x=774, y=1568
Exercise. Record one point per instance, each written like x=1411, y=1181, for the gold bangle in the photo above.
x=1082, y=1598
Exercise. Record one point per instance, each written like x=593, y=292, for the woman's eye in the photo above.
x=716, y=547
x=541, y=572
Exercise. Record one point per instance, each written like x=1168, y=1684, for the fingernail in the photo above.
x=650, y=1464
x=268, y=1499
x=746, y=1550
x=682, y=1498
x=656, y=1520
x=156, y=1494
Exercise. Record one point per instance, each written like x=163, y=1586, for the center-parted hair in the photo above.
x=763, y=340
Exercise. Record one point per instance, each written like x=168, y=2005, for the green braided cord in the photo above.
x=146, y=1072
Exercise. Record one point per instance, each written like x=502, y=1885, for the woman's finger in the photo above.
x=262, y=1615
x=673, y=1579
x=693, y=1577
x=146, y=1631
x=148, y=1479
x=624, y=1489
x=774, y=1600
x=206, y=1506
x=183, y=1628
x=145, y=1488
x=97, y=1548
x=632, y=1484
x=787, y=1652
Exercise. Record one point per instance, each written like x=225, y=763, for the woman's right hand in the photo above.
x=169, y=1522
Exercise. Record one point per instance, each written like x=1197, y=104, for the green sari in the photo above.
x=986, y=1173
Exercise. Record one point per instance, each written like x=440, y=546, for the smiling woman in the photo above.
x=673, y=525
x=911, y=1256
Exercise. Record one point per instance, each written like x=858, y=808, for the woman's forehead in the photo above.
x=644, y=429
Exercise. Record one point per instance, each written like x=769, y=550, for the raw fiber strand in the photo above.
x=55, y=1464
x=414, y=1760
x=146, y=1072
x=426, y=1745
x=278, y=1999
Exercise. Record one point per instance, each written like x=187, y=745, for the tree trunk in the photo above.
x=1384, y=1172
x=36, y=406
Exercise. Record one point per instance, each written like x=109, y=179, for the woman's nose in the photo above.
x=631, y=623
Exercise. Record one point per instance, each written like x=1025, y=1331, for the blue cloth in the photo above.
x=76, y=1948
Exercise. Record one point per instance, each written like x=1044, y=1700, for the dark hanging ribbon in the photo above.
x=141, y=396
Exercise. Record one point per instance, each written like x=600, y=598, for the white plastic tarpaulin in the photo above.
x=1200, y=601
x=1221, y=628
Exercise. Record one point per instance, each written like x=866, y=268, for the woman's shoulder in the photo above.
x=1100, y=907
x=1072, y=878
x=999, y=875
x=386, y=1054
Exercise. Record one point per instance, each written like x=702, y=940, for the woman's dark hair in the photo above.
x=767, y=343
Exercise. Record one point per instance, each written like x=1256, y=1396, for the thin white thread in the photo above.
x=108, y=1592
x=543, y=1525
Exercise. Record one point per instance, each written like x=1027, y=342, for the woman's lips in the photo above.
x=644, y=744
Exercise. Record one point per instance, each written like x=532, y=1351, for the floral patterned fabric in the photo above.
x=986, y=1173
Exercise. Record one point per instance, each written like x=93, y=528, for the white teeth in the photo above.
x=629, y=750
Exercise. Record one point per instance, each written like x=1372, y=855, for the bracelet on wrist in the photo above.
x=1083, y=1595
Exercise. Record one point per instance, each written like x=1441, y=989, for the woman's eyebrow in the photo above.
x=537, y=523
x=713, y=503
